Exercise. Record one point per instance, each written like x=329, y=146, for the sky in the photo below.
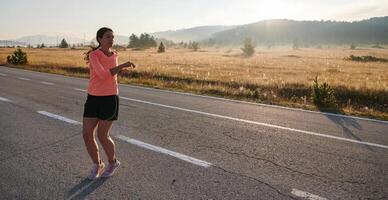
x=82, y=18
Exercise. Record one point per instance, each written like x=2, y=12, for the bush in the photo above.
x=323, y=95
x=17, y=58
x=377, y=46
x=366, y=59
x=249, y=48
x=161, y=48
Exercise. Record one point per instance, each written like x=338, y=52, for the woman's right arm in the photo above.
x=116, y=70
x=101, y=72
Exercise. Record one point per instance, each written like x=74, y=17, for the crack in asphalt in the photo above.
x=255, y=179
x=281, y=166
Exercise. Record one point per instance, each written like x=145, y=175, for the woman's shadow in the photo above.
x=84, y=188
x=346, y=123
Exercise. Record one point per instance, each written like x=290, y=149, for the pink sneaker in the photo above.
x=110, y=170
x=96, y=171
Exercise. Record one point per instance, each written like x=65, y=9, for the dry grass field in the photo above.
x=281, y=76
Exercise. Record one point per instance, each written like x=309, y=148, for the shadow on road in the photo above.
x=84, y=188
x=347, y=124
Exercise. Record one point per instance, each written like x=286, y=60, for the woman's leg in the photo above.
x=107, y=143
x=89, y=125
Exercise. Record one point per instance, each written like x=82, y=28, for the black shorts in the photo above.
x=102, y=107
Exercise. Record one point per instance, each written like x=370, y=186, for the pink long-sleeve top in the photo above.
x=101, y=81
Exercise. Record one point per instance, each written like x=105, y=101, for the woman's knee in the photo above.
x=103, y=130
x=103, y=137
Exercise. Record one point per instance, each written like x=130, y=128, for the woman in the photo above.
x=102, y=104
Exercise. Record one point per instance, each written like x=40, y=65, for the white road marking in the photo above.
x=257, y=104
x=59, y=117
x=258, y=123
x=4, y=99
x=306, y=195
x=164, y=151
x=138, y=143
x=46, y=83
x=22, y=78
x=82, y=90
x=1, y=74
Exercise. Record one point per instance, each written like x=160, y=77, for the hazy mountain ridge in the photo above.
x=280, y=31
x=191, y=34
x=265, y=32
x=47, y=40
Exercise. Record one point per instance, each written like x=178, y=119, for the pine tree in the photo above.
x=195, y=46
x=152, y=42
x=144, y=41
x=161, y=48
x=134, y=41
x=248, y=49
x=18, y=57
x=63, y=44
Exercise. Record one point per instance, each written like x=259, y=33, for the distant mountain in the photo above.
x=11, y=43
x=191, y=34
x=119, y=39
x=282, y=31
x=54, y=40
x=266, y=32
x=47, y=40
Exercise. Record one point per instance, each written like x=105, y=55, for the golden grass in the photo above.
x=280, y=75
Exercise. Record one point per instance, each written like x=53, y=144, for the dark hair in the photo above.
x=100, y=34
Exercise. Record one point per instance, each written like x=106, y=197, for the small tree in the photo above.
x=184, y=45
x=295, y=44
x=63, y=44
x=42, y=45
x=161, y=48
x=249, y=48
x=323, y=95
x=195, y=46
x=18, y=57
x=352, y=46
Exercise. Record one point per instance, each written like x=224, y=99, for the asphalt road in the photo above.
x=182, y=146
